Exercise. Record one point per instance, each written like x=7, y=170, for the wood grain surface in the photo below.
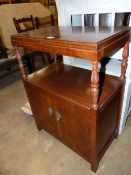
x=92, y=43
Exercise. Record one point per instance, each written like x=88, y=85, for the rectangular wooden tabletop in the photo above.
x=92, y=43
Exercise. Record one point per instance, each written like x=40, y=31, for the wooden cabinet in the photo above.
x=79, y=107
x=56, y=97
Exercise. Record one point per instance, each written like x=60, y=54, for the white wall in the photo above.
x=68, y=7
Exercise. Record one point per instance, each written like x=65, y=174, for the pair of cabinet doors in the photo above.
x=61, y=118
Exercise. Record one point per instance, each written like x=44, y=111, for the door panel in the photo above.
x=73, y=126
x=42, y=109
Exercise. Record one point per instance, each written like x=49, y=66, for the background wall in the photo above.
x=8, y=11
x=67, y=7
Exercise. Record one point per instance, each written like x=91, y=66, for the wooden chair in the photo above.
x=44, y=21
x=19, y=24
x=27, y=24
x=51, y=2
x=101, y=19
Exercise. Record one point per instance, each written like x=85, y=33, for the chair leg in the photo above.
x=33, y=64
x=8, y=68
x=43, y=58
x=30, y=64
x=59, y=58
x=49, y=58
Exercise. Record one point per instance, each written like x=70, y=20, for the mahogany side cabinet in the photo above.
x=79, y=107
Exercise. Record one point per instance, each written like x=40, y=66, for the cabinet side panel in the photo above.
x=33, y=98
x=107, y=124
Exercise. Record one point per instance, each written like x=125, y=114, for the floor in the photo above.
x=26, y=151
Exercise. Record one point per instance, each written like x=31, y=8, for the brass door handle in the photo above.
x=58, y=116
x=50, y=111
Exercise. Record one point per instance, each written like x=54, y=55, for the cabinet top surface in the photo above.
x=88, y=35
x=74, y=41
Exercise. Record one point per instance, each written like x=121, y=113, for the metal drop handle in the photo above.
x=58, y=116
x=50, y=111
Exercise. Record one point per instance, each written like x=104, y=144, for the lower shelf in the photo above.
x=73, y=83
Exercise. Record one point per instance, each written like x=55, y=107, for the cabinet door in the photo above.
x=42, y=108
x=74, y=126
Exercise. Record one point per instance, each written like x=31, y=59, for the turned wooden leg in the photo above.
x=21, y=66
x=95, y=84
x=124, y=60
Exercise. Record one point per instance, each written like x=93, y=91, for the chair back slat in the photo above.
x=122, y=19
x=76, y=20
x=105, y=19
x=102, y=19
x=19, y=24
x=44, y=21
x=89, y=19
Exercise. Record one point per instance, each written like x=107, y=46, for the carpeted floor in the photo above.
x=26, y=151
